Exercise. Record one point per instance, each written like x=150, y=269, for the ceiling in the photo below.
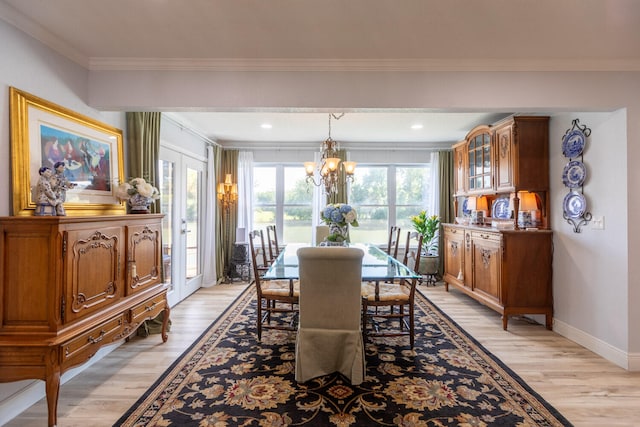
x=451, y=35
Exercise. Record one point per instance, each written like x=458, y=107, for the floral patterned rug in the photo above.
x=228, y=378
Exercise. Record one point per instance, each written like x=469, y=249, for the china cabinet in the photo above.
x=507, y=269
x=71, y=285
x=503, y=160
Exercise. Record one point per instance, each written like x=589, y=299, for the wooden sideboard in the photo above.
x=507, y=270
x=71, y=285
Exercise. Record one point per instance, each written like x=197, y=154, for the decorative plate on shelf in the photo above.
x=574, y=205
x=500, y=208
x=574, y=174
x=573, y=143
x=465, y=207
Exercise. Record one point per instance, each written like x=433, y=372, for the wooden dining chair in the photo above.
x=261, y=262
x=277, y=300
x=329, y=333
x=272, y=242
x=388, y=307
x=394, y=241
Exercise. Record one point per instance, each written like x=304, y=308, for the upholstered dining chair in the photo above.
x=277, y=300
x=329, y=333
x=388, y=307
x=394, y=241
x=322, y=232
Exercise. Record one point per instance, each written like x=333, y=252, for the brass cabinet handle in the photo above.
x=97, y=340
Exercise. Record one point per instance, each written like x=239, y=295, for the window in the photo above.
x=282, y=197
x=379, y=192
x=382, y=192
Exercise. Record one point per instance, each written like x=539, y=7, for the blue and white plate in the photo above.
x=500, y=208
x=465, y=207
x=574, y=205
x=573, y=143
x=574, y=174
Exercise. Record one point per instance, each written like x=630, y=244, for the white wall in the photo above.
x=31, y=67
x=591, y=296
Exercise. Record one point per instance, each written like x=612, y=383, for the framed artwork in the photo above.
x=43, y=134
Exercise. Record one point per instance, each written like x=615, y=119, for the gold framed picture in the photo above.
x=43, y=134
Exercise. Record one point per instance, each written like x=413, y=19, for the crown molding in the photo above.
x=360, y=65
x=38, y=32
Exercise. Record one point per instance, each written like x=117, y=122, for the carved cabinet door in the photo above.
x=505, y=162
x=460, y=168
x=487, y=261
x=144, y=263
x=454, y=252
x=93, y=270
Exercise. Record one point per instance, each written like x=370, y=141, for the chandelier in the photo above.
x=330, y=165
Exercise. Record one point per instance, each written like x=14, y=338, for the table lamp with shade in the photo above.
x=528, y=214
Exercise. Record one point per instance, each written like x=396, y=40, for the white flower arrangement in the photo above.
x=126, y=190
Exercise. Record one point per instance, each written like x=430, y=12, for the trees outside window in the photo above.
x=383, y=195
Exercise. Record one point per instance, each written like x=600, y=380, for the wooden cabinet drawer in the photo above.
x=486, y=235
x=149, y=309
x=84, y=346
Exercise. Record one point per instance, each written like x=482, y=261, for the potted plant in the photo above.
x=429, y=227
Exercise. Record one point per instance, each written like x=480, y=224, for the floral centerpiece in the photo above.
x=428, y=226
x=339, y=216
x=138, y=193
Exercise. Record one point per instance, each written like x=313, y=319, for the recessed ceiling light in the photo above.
x=416, y=126
x=266, y=126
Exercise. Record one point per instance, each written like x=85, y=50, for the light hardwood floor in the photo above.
x=586, y=389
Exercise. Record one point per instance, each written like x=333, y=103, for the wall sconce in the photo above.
x=227, y=192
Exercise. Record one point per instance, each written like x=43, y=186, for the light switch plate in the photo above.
x=597, y=222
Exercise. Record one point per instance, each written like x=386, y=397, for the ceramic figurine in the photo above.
x=60, y=186
x=45, y=197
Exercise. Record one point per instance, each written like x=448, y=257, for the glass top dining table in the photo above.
x=377, y=265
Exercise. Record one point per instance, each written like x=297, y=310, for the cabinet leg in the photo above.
x=52, y=387
x=505, y=320
x=549, y=322
x=165, y=322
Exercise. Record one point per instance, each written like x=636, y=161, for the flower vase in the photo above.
x=339, y=235
x=139, y=204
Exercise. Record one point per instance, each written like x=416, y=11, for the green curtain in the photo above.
x=445, y=167
x=143, y=145
x=226, y=220
x=341, y=195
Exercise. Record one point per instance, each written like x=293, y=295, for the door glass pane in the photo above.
x=167, y=185
x=193, y=203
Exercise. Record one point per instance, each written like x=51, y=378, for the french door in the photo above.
x=182, y=201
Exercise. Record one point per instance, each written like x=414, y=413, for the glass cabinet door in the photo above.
x=479, y=149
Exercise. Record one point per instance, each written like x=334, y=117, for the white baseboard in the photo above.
x=601, y=348
x=33, y=391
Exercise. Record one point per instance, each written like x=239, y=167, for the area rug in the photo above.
x=228, y=378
